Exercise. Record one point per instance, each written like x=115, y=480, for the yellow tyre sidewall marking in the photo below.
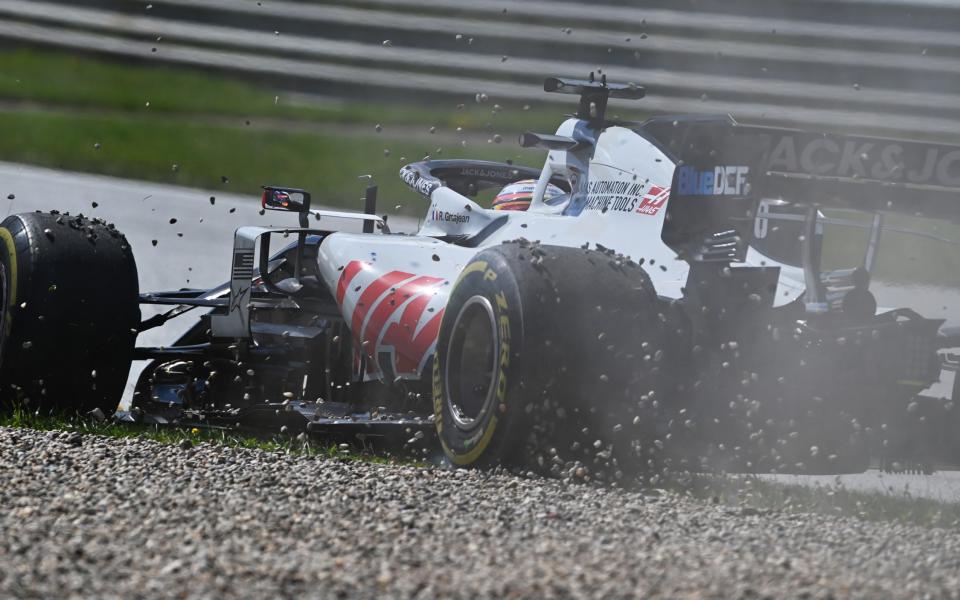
x=477, y=265
x=12, y=253
x=466, y=458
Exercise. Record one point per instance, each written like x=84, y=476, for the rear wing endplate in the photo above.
x=717, y=156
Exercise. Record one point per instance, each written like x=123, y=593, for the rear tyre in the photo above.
x=545, y=356
x=68, y=313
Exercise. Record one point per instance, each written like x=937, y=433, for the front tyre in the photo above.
x=478, y=352
x=546, y=359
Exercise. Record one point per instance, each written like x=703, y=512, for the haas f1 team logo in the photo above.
x=393, y=327
x=653, y=200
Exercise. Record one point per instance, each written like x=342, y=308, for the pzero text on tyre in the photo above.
x=479, y=339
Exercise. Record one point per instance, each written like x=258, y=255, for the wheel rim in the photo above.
x=472, y=356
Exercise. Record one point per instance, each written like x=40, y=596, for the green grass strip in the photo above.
x=194, y=154
x=21, y=418
x=81, y=81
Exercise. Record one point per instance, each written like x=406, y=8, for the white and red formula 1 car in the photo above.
x=664, y=305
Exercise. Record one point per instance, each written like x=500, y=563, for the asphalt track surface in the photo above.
x=201, y=258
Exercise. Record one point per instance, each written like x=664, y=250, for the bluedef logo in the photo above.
x=719, y=181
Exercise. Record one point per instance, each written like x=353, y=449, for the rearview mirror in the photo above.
x=287, y=199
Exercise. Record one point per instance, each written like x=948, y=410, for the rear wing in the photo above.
x=718, y=157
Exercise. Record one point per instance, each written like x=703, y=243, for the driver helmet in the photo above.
x=517, y=195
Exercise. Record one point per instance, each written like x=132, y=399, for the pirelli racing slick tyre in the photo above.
x=546, y=359
x=69, y=313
